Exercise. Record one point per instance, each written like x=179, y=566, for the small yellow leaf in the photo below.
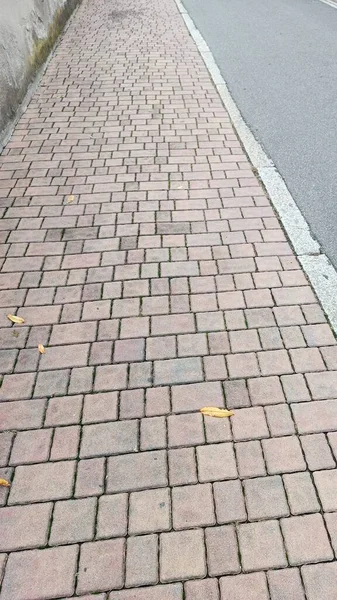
x=213, y=411
x=15, y=319
x=41, y=348
x=71, y=199
x=5, y=483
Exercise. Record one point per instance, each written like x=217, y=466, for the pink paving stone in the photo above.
x=186, y=398
x=244, y=587
x=320, y=581
x=112, y=516
x=22, y=414
x=40, y=574
x=101, y=566
x=24, y=526
x=206, y=589
x=261, y=546
x=306, y=539
x=286, y=584
x=17, y=387
x=41, y=482
x=192, y=506
x=222, y=550
x=182, y=555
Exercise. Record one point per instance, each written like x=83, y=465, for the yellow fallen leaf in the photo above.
x=5, y=483
x=15, y=319
x=41, y=348
x=71, y=199
x=214, y=411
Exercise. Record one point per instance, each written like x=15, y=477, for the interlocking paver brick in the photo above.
x=205, y=589
x=95, y=572
x=301, y=493
x=250, y=459
x=285, y=584
x=315, y=417
x=192, y=506
x=222, y=550
x=109, y=438
x=229, y=502
x=90, y=477
x=182, y=555
x=250, y=586
x=24, y=526
x=178, y=370
x=31, y=446
x=326, y=484
x=157, y=401
x=185, y=430
x=216, y=461
x=137, y=471
x=141, y=560
x=317, y=452
x=182, y=466
x=306, y=539
x=261, y=546
x=249, y=423
x=44, y=481
x=149, y=511
x=190, y=397
x=236, y=394
x=112, y=516
x=265, y=498
x=320, y=581
x=100, y=407
x=265, y=390
x=73, y=521
x=283, y=455
x=53, y=569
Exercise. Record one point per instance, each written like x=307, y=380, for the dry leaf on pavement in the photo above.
x=71, y=199
x=214, y=411
x=15, y=319
x=5, y=483
x=41, y=348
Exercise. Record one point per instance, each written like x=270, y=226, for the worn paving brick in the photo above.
x=45, y=481
x=95, y=572
x=261, y=546
x=54, y=574
x=222, y=550
x=285, y=584
x=283, y=455
x=109, y=438
x=192, y=506
x=301, y=493
x=252, y=586
x=229, y=501
x=149, y=511
x=137, y=471
x=265, y=498
x=216, y=461
x=182, y=555
x=24, y=526
x=306, y=539
x=320, y=581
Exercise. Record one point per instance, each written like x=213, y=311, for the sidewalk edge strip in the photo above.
x=317, y=266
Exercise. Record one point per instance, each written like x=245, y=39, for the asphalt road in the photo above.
x=279, y=59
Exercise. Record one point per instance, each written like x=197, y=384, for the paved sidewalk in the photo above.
x=165, y=284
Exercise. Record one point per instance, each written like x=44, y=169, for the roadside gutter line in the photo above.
x=318, y=268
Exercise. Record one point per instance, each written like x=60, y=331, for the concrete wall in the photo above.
x=28, y=30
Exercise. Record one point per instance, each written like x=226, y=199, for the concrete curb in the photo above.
x=316, y=265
